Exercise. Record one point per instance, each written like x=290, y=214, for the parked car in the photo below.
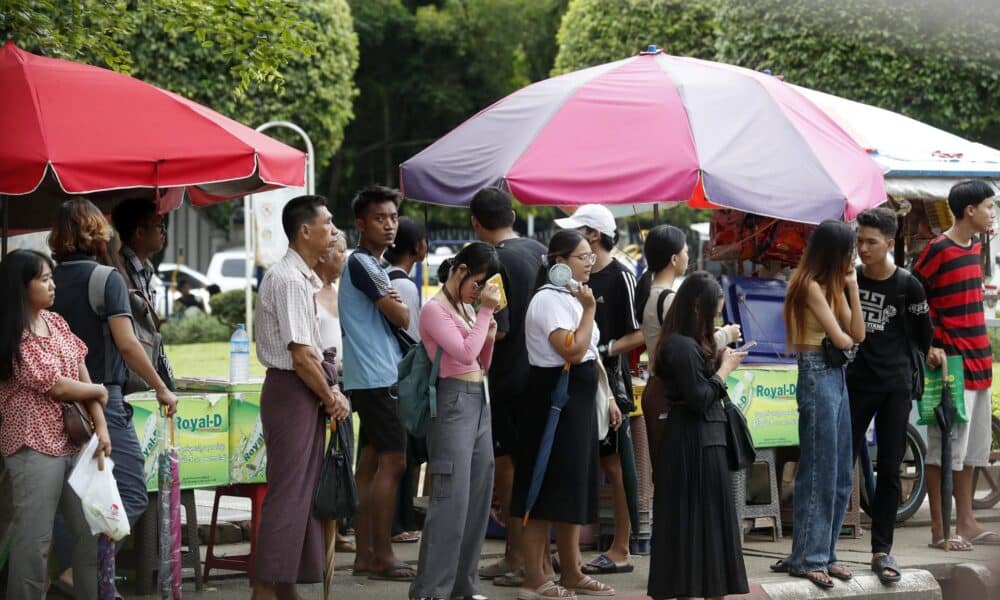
x=227, y=269
x=201, y=287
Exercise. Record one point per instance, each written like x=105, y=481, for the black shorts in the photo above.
x=615, y=440
x=380, y=424
x=503, y=398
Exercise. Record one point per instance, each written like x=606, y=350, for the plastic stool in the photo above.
x=243, y=562
x=750, y=514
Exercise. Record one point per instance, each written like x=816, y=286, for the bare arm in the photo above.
x=816, y=302
x=394, y=309
x=137, y=361
x=308, y=366
x=627, y=343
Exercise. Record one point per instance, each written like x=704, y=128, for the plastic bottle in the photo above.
x=239, y=355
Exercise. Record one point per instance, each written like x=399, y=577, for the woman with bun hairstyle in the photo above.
x=41, y=367
x=823, y=319
x=459, y=438
x=559, y=328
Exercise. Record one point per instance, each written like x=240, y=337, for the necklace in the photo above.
x=460, y=311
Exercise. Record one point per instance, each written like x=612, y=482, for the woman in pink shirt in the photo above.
x=459, y=439
x=42, y=366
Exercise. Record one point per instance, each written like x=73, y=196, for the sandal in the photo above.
x=510, y=579
x=780, y=567
x=554, y=559
x=588, y=586
x=345, y=545
x=397, y=572
x=818, y=578
x=838, y=571
x=955, y=544
x=986, y=538
x=546, y=590
x=406, y=537
x=883, y=563
x=493, y=570
x=603, y=565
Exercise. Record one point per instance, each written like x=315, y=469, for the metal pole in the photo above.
x=249, y=228
x=5, y=202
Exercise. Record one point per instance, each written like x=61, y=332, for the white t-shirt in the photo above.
x=553, y=308
x=410, y=294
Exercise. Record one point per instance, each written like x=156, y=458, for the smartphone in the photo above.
x=745, y=347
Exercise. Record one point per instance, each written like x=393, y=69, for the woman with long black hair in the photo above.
x=696, y=549
x=823, y=319
x=41, y=367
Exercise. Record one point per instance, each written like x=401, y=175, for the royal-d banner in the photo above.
x=767, y=398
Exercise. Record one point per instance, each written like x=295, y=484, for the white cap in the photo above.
x=595, y=216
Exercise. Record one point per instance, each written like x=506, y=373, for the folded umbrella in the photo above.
x=170, y=516
x=945, y=413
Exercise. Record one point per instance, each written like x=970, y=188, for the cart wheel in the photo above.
x=912, y=477
x=986, y=480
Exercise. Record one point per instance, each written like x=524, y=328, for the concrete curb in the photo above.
x=915, y=585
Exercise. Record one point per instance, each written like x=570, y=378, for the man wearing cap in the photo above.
x=613, y=285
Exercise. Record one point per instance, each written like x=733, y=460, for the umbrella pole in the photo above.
x=330, y=537
x=656, y=214
x=4, y=201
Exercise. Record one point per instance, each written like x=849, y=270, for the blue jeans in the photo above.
x=823, y=482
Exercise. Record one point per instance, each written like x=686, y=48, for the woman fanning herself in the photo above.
x=696, y=535
x=459, y=439
x=559, y=328
x=823, y=318
x=42, y=366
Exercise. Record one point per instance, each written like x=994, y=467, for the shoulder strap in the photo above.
x=432, y=388
x=397, y=274
x=95, y=289
x=660, y=301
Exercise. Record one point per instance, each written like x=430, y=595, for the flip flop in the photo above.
x=494, y=570
x=986, y=538
x=957, y=545
x=406, y=537
x=780, y=567
x=393, y=573
x=839, y=572
x=883, y=563
x=603, y=565
x=511, y=579
x=345, y=546
x=813, y=577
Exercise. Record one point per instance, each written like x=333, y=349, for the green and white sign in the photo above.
x=767, y=398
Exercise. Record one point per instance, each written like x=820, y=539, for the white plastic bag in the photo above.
x=98, y=491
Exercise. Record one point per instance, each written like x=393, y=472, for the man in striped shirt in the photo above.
x=951, y=272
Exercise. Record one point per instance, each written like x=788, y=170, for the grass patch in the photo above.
x=207, y=360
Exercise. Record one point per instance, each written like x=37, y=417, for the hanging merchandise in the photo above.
x=787, y=243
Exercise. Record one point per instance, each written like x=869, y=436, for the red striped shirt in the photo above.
x=953, y=278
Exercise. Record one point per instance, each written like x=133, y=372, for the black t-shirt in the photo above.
x=521, y=259
x=883, y=359
x=72, y=279
x=614, y=290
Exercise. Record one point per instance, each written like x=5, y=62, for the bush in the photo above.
x=231, y=307
x=994, y=333
x=194, y=330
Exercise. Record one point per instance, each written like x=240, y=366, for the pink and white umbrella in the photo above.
x=655, y=128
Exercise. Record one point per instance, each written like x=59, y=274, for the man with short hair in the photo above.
x=880, y=379
x=493, y=222
x=295, y=398
x=369, y=311
x=952, y=275
x=614, y=289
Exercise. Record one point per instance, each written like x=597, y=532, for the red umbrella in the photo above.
x=71, y=128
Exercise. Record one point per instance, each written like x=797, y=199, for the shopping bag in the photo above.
x=102, y=505
x=932, y=392
x=337, y=492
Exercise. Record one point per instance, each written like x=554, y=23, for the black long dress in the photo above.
x=696, y=549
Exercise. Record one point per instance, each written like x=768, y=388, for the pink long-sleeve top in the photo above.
x=442, y=328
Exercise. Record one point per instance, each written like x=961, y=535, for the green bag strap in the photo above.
x=432, y=392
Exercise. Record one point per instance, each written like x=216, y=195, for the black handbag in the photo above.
x=835, y=357
x=616, y=381
x=740, y=452
x=337, y=492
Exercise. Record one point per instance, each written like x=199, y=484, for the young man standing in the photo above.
x=493, y=222
x=880, y=379
x=952, y=275
x=293, y=400
x=369, y=311
x=614, y=288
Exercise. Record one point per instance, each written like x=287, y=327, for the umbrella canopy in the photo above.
x=71, y=128
x=655, y=128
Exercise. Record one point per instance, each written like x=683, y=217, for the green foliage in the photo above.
x=938, y=62
x=598, y=31
x=230, y=308
x=194, y=330
x=255, y=39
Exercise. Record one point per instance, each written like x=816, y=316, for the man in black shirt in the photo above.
x=614, y=289
x=493, y=221
x=880, y=380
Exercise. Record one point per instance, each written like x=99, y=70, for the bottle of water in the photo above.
x=239, y=355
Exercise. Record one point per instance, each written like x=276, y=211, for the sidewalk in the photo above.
x=922, y=565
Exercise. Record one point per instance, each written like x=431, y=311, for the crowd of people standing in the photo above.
x=331, y=330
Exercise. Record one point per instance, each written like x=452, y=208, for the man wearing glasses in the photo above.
x=613, y=285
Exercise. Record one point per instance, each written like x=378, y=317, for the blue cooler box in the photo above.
x=755, y=305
